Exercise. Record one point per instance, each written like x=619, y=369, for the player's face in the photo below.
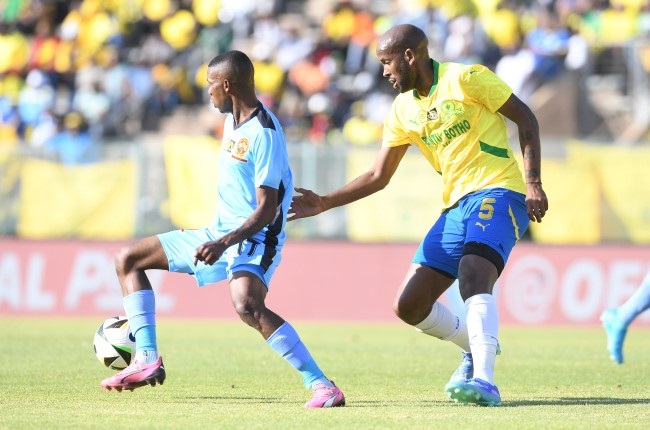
x=397, y=70
x=218, y=95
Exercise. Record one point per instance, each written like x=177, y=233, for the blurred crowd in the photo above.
x=74, y=74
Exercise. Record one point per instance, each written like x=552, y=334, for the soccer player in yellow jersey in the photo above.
x=454, y=114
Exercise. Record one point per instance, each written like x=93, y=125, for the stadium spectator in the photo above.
x=14, y=47
x=206, y=12
x=47, y=128
x=179, y=30
x=43, y=47
x=270, y=80
x=166, y=95
x=502, y=25
x=96, y=27
x=617, y=320
x=610, y=23
x=141, y=90
x=266, y=36
x=549, y=43
x=243, y=245
x=516, y=68
x=459, y=43
x=156, y=10
x=358, y=129
x=93, y=102
x=485, y=30
x=350, y=30
x=454, y=114
x=153, y=49
x=295, y=43
x=116, y=83
x=73, y=144
x=36, y=97
x=9, y=121
x=311, y=78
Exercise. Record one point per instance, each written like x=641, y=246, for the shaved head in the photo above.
x=404, y=54
x=234, y=66
x=403, y=37
x=231, y=80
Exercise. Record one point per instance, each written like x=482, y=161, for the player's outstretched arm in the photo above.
x=308, y=203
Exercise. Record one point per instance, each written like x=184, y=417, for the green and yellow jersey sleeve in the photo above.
x=458, y=129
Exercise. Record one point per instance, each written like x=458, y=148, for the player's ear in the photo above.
x=409, y=56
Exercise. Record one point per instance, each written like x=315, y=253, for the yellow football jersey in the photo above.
x=458, y=129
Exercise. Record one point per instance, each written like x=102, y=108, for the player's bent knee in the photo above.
x=248, y=311
x=123, y=260
x=408, y=313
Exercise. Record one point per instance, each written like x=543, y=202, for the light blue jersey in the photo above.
x=253, y=154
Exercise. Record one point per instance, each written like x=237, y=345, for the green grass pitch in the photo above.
x=221, y=375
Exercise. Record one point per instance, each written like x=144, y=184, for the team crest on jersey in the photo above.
x=227, y=145
x=449, y=109
x=426, y=116
x=240, y=150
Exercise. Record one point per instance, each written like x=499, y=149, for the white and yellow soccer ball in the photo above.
x=114, y=344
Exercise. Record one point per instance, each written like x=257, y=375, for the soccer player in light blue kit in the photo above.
x=243, y=245
x=617, y=320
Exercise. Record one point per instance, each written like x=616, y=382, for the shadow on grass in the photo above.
x=567, y=401
x=586, y=401
x=236, y=400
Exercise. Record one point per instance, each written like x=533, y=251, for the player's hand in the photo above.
x=209, y=252
x=536, y=202
x=306, y=204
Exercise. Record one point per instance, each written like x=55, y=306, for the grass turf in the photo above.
x=221, y=375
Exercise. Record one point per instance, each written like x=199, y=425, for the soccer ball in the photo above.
x=114, y=344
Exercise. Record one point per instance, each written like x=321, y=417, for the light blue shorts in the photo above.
x=494, y=217
x=247, y=256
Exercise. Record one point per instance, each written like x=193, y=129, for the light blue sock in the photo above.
x=286, y=342
x=636, y=304
x=140, y=308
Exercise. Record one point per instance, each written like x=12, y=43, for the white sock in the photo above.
x=483, y=329
x=443, y=324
